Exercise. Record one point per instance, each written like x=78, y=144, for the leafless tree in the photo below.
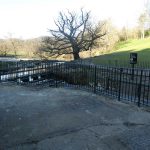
x=3, y=48
x=142, y=21
x=74, y=34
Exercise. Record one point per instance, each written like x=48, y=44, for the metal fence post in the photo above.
x=0, y=73
x=55, y=75
x=120, y=75
x=95, y=79
x=1, y=70
x=17, y=76
x=132, y=74
x=139, y=89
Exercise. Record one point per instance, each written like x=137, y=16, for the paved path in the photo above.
x=64, y=119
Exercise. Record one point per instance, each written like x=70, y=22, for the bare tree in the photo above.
x=74, y=34
x=4, y=48
x=142, y=21
x=111, y=38
x=14, y=45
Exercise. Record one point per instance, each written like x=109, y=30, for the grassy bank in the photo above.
x=122, y=51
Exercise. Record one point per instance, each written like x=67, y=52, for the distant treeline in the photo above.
x=32, y=48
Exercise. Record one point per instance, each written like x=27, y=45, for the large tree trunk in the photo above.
x=76, y=51
x=76, y=56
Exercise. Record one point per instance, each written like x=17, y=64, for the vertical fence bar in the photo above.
x=144, y=88
x=121, y=70
x=132, y=74
x=139, y=89
x=148, y=89
x=132, y=88
x=95, y=79
x=107, y=81
x=16, y=72
x=56, y=68
x=0, y=70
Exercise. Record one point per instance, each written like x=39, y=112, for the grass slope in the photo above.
x=122, y=51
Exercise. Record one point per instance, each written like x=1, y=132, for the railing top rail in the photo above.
x=75, y=62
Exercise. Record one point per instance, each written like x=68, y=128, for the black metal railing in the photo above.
x=122, y=83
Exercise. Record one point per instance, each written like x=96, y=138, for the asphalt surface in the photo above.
x=66, y=119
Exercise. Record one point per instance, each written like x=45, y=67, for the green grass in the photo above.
x=122, y=52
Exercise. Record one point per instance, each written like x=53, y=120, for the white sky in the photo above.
x=33, y=18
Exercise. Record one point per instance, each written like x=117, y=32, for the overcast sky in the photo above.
x=33, y=18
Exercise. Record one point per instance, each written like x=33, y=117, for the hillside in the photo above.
x=122, y=51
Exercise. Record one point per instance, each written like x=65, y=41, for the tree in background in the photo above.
x=142, y=21
x=14, y=45
x=124, y=34
x=128, y=33
x=4, y=48
x=22, y=48
x=147, y=12
x=74, y=34
x=31, y=47
x=111, y=38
